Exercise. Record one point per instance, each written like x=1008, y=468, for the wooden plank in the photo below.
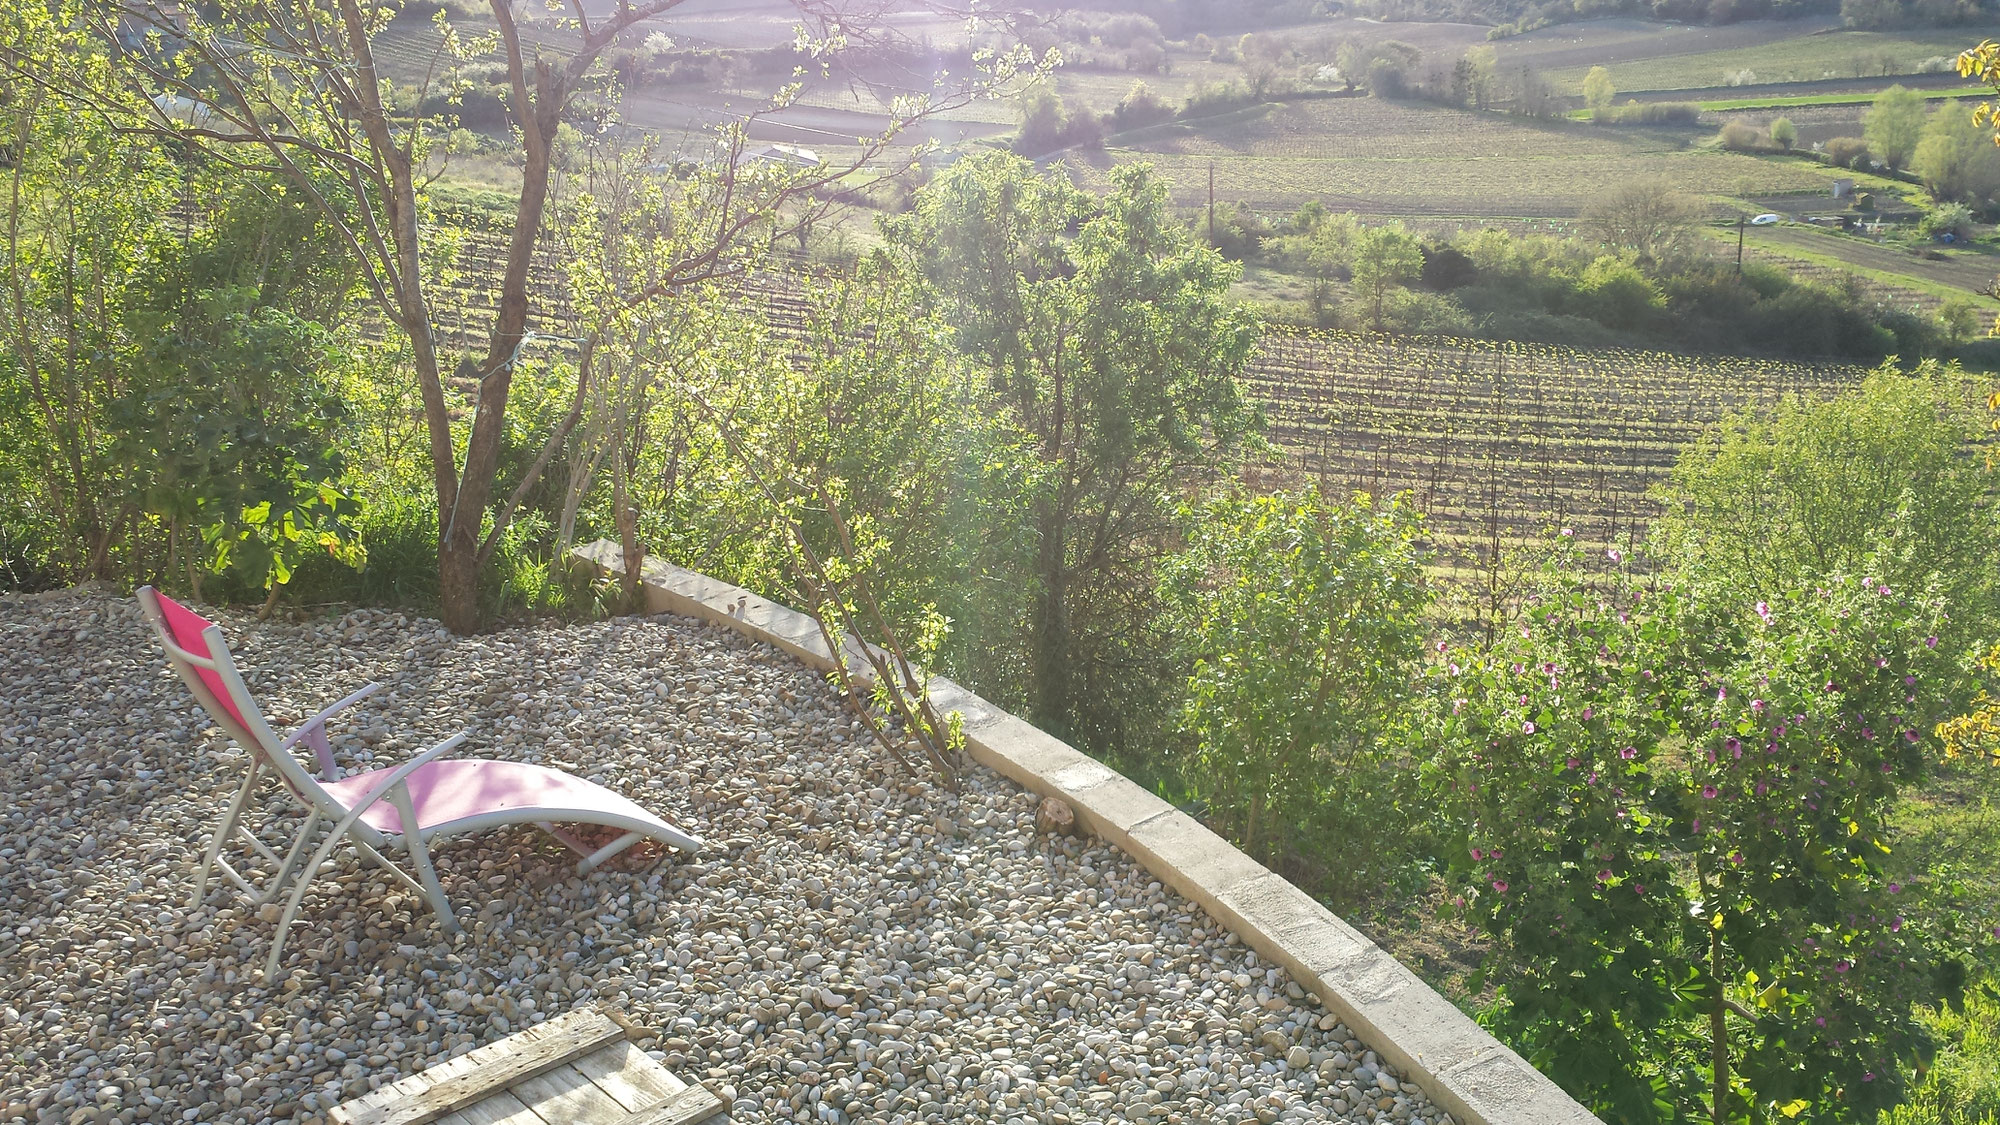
x=565, y=1096
x=451, y=1068
x=688, y=1106
x=502, y=1108
x=493, y=1068
x=623, y=1071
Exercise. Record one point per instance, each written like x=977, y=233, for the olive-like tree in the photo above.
x=1106, y=330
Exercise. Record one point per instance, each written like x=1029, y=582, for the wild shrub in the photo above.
x=1648, y=113
x=1846, y=152
x=1740, y=136
x=1302, y=621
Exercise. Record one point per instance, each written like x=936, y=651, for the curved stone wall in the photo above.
x=1464, y=1069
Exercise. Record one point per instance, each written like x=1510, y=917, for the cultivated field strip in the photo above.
x=1497, y=442
x=1494, y=441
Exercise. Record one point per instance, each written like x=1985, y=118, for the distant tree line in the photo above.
x=1512, y=17
x=1634, y=273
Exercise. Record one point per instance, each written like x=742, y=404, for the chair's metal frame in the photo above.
x=266, y=749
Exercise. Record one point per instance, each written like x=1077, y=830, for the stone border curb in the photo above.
x=1462, y=1068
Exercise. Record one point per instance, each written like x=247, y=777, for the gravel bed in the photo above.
x=854, y=946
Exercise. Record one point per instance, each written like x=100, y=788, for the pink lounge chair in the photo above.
x=376, y=810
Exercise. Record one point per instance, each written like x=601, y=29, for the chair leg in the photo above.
x=276, y=886
x=382, y=861
x=420, y=858
x=292, y=908
x=589, y=863
x=222, y=832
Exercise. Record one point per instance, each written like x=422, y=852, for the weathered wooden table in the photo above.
x=575, y=1069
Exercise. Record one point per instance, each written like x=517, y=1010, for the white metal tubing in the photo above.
x=292, y=906
x=320, y=719
x=589, y=863
x=383, y=862
x=547, y=817
x=214, y=852
x=278, y=882
x=420, y=858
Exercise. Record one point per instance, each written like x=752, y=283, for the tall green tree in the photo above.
x=1894, y=124
x=1385, y=258
x=1597, y=88
x=1107, y=333
x=1956, y=159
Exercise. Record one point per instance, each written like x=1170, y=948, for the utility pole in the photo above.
x=1211, y=203
x=1739, y=246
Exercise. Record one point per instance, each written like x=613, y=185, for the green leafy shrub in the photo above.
x=1673, y=802
x=1846, y=152
x=1302, y=619
x=1677, y=793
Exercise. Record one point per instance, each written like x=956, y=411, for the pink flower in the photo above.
x=1440, y=646
x=1500, y=885
x=1614, y=554
x=1734, y=746
x=1895, y=888
x=1842, y=966
x=1909, y=736
x=1896, y=924
x=1757, y=705
x=1721, y=694
x=1604, y=876
x=1930, y=642
x=1587, y=713
x=1708, y=792
x=1454, y=668
x=1527, y=728
x=1640, y=888
x=1566, y=533
x=1883, y=590
x=1457, y=705
x=1629, y=753
x=1572, y=763
x=1476, y=855
x=1764, y=611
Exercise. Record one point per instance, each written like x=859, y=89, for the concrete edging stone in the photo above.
x=1456, y=1062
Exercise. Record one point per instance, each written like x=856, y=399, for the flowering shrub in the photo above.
x=1672, y=803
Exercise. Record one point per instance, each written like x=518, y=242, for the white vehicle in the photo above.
x=1765, y=220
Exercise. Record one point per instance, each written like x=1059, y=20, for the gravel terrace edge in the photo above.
x=1464, y=1069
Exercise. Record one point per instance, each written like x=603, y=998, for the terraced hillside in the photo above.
x=1497, y=442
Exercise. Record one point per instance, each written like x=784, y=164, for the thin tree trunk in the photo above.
x=627, y=516
x=1050, y=644
x=1718, y=1033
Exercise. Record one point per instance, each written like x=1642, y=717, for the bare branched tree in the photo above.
x=294, y=89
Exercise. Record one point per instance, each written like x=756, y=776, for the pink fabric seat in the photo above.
x=443, y=796
x=446, y=792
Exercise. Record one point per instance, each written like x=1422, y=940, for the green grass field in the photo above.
x=1380, y=157
x=1731, y=105
x=1805, y=58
